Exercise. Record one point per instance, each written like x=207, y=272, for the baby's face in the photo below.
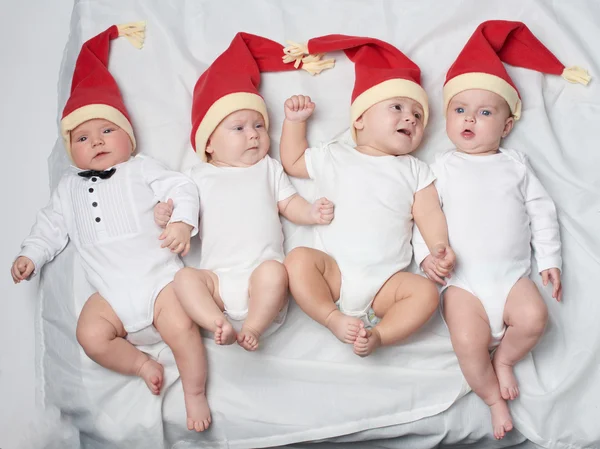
x=99, y=144
x=240, y=140
x=477, y=120
x=393, y=127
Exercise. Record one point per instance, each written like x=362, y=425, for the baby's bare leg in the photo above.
x=268, y=293
x=198, y=293
x=405, y=302
x=470, y=334
x=183, y=337
x=101, y=334
x=315, y=282
x=525, y=315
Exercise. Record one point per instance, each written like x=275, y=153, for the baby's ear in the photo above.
x=208, y=149
x=358, y=123
x=508, y=126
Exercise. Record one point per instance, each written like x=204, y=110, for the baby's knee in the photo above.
x=534, y=318
x=184, y=275
x=273, y=274
x=89, y=337
x=297, y=258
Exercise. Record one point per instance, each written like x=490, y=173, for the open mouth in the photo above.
x=406, y=132
x=467, y=133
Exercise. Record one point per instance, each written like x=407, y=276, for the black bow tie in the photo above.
x=100, y=174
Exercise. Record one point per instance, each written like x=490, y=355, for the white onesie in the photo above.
x=370, y=236
x=496, y=209
x=239, y=224
x=111, y=223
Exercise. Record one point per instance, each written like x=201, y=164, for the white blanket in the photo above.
x=303, y=384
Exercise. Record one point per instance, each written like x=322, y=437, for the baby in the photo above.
x=106, y=212
x=496, y=209
x=239, y=291
x=353, y=282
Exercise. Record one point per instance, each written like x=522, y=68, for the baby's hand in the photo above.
x=444, y=259
x=176, y=237
x=298, y=108
x=321, y=211
x=162, y=213
x=22, y=269
x=431, y=270
x=553, y=274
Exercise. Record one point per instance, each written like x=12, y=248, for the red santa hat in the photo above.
x=381, y=70
x=94, y=92
x=231, y=83
x=479, y=64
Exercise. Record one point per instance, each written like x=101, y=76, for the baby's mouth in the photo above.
x=467, y=133
x=102, y=153
x=406, y=132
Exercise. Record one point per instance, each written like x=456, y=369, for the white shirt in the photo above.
x=496, y=208
x=239, y=225
x=111, y=223
x=373, y=196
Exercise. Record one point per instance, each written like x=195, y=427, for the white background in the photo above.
x=32, y=38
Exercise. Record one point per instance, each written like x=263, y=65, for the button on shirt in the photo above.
x=111, y=223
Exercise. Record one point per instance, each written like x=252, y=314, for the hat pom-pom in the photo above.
x=294, y=52
x=576, y=74
x=312, y=63
x=135, y=32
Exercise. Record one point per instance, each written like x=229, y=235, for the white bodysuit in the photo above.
x=496, y=209
x=239, y=224
x=111, y=223
x=370, y=236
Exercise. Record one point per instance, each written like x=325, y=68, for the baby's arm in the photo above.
x=293, y=135
x=182, y=207
x=299, y=211
x=545, y=237
x=431, y=223
x=47, y=238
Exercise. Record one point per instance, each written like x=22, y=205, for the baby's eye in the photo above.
x=460, y=110
x=418, y=115
x=260, y=125
x=486, y=112
x=108, y=130
x=81, y=139
x=238, y=128
x=397, y=107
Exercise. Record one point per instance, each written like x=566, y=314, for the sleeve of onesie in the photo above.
x=545, y=237
x=283, y=186
x=48, y=236
x=314, y=159
x=425, y=176
x=182, y=190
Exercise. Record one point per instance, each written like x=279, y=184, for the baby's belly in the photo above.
x=499, y=236
x=370, y=246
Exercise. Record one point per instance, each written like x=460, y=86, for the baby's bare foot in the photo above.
x=366, y=342
x=509, y=388
x=225, y=334
x=248, y=338
x=344, y=327
x=152, y=373
x=198, y=412
x=501, y=419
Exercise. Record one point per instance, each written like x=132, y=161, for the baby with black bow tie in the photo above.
x=106, y=211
